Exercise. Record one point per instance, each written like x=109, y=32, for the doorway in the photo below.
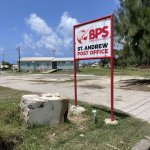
x=54, y=65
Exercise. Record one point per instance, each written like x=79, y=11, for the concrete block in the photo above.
x=109, y=122
x=76, y=110
x=44, y=108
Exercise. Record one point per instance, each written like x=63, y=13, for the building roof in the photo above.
x=36, y=59
x=63, y=59
x=26, y=59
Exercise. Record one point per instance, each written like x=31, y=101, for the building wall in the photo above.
x=37, y=65
x=47, y=65
x=65, y=65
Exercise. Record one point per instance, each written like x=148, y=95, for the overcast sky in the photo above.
x=40, y=26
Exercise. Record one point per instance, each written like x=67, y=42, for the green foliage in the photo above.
x=104, y=62
x=132, y=28
x=7, y=64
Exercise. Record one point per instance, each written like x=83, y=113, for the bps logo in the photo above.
x=92, y=34
x=82, y=36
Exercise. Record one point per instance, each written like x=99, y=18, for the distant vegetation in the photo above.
x=132, y=31
x=117, y=71
x=5, y=65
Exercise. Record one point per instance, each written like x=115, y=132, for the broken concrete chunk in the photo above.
x=76, y=110
x=144, y=144
x=44, y=109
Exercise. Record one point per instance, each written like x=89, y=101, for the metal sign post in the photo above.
x=94, y=40
x=112, y=72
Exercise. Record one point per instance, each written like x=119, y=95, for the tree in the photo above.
x=132, y=29
x=104, y=62
x=7, y=64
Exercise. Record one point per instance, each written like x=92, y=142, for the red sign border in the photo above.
x=111, y=62
x=95, y=20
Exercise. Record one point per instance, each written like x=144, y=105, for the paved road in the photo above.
x=91, y=89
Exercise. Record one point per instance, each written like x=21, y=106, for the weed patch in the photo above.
x=79, y=132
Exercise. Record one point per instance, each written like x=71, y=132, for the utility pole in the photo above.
x=18, y=48
x=3, y=59
x=54, y=51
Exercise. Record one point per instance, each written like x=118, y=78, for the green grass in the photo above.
x=106, y=72
x=66, y=136
x=94, y=71
x=17, y=73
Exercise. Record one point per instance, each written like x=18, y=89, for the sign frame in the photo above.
x=111, y=57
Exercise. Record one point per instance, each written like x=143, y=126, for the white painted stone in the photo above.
x=44, y=109
x=82, y=135
x=76, y=110
x=108, y=121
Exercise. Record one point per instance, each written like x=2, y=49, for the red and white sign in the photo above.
x=93, y=39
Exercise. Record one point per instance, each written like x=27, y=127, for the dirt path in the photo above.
x=91, y=89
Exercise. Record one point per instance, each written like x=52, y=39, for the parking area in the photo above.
x=90, y=88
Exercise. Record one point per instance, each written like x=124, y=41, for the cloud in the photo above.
x=66, y=25
x=44, y=37
x=1, y=49
x=38, y=25
x=65, y=29
x=28, y=41
x=49, y=42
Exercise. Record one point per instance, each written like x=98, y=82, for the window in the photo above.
x=69, y=63
x=48, y=64
x=28, y=64
x=37, y=64
x=61, y=63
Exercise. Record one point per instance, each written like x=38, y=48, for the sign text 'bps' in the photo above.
x=93, y=40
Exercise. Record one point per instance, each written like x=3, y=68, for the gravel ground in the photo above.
x=90, y=88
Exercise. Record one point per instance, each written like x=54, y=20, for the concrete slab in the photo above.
x=135, y=103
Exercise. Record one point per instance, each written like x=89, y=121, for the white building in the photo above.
x=46, y=63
